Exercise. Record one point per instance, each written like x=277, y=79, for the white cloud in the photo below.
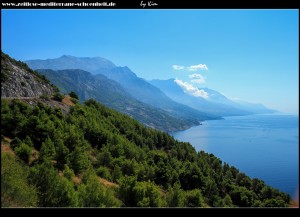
x=197, y=67
x=177, y=67
x=197, y=78
x=190, y=89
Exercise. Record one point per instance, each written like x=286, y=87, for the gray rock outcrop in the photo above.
x=19, y=81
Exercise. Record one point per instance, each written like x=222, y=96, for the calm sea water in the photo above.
x=262, y=146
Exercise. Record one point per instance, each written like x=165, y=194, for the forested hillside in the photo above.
x=93, y=156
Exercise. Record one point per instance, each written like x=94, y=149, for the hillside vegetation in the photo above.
x=58, y=152
x=93, y=156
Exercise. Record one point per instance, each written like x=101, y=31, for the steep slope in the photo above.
x=111, y=94
x=135, y=86
x=147, y=93
x=18, y=80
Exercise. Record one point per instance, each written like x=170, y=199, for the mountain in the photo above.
x=135, y=86
x=18, y=80
x=215, y=103
x=113, y=95
x=147, y=93
x=257, y=108
x=93, y=65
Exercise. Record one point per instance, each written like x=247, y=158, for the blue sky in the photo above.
x=246, y=54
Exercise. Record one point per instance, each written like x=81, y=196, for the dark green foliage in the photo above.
x=147, y=194
x=194, y=198
x=16, y=142
x=176, y=196
x=47, y=150
x=68, y=173
x=104, y=172
x=23, y=152
x=140, y=194
x=75, y=101
x=15, y=189
x=127, y=183
x=150, y=167
x=93, y=194
x=62, y=154
x=274, y=202
x=79, y=160
x=116, y=173
x=58, y=96
x=28, y=141
x=73, y=95
x=45, y=97
x=53, y=190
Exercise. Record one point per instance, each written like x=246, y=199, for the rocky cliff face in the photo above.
x=18, y=80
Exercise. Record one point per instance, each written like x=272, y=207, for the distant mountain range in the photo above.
x=121, y=89
x=215, y=103
x=137, y=87
x=113, y=95
x=148, y=93
x=93, y=65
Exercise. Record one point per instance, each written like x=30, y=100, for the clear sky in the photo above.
x=246, y=54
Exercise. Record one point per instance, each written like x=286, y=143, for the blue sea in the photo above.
x=262, y=146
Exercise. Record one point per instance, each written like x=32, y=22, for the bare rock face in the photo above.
x=17, y=80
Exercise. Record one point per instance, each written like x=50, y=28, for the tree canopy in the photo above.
x=62, y=160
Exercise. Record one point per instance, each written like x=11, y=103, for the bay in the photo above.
x=262, y=146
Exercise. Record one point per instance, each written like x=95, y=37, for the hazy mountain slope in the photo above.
x=215, y=96
x=137, y=87
x=254, y=107
x=216, y=102
x=147, y=93
x=214, y=106
x=114, y=96
x=70, y=62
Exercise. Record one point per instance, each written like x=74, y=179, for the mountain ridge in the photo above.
x=215, y=101
x=137, y=87
x=90, y=64
x=111, y=94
